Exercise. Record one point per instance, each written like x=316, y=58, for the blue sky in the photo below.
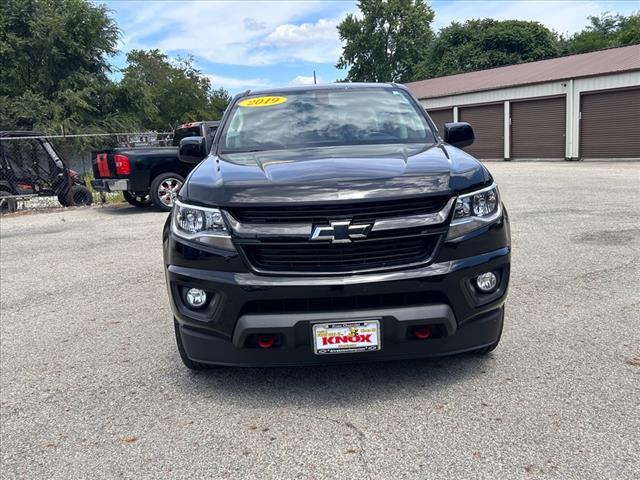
x=252, y=44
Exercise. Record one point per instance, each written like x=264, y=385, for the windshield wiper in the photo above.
x=233, y=150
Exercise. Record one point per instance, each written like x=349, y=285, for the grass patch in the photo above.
x=101, y=197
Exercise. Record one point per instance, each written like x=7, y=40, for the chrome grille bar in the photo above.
x=303, y=230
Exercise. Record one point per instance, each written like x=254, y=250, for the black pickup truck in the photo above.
x=149, y=175
x=334, y=224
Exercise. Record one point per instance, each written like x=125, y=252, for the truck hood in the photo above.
x=333, y=174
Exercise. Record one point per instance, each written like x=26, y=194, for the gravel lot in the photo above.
x=92, y=385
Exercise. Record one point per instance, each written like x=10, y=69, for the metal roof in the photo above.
x=613, y=60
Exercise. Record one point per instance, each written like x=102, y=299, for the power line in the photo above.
x=86, y=135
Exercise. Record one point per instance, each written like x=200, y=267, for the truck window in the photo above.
x=315, y=118
x=180, y=133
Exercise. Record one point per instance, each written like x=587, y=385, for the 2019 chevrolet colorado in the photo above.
x=334, y=224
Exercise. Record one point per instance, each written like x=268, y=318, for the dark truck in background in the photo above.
x=152, y=174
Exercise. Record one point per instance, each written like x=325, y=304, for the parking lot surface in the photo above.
x=92, y=386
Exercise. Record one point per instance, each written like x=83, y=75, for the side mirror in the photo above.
x=458, y=134
x=192, y=149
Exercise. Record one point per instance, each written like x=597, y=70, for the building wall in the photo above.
x=571, y=88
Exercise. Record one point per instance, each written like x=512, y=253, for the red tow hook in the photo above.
x=266, y=341
x=421, y=332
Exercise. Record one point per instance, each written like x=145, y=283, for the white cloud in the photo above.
x=257, y=33
x=233, y=33
x=310, y=42
x=234, y=83
x=290, y=34
x=304, y=80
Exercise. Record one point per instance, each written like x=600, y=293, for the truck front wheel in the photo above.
x=164, y=190
x=137, y=199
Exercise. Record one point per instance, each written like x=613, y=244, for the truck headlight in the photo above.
x=200, y=224
x=474, y=210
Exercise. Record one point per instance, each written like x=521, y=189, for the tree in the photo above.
x=54, y=61
x=160, y=92
x=218, y=102
x=55, y=74
x=387, y=42
x=629, y=33
x=604, y=31
x=487, y=43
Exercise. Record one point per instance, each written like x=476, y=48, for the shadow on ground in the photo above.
x=126, y=209
x=330, y=386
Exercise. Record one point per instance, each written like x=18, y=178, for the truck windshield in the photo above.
x=316, y=118
x=184, y=132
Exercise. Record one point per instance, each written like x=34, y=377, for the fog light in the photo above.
x=487, y=282
x=196, y=297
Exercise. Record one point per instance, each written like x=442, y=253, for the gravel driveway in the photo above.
x=91, y=384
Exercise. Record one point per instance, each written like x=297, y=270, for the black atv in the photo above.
x=31, y=166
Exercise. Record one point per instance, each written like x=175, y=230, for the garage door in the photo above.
x=488, y=124
x=538, y=128
x=609, y=126
x=440, y=117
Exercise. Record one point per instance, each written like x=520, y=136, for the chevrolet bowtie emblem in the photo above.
x=341, y=231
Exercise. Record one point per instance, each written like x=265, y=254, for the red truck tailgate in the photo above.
x=110, y=164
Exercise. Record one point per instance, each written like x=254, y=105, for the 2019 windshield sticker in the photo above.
x=262, y=101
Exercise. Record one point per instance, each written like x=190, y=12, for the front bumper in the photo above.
x=116, y=185
x=298, y=350
x=245, y=304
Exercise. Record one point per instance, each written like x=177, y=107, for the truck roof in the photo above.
x=328, y=86
x=212, y=123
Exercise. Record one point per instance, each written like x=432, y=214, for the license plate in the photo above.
x=346, y=337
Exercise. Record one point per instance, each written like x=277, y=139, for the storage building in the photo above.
x=584, y=106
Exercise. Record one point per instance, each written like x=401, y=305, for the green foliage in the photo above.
x=487, y=43
x=387, y=42
x=164, y=93
x=218, y=102
x=55, y=75
x=101, y=197
x=391, y=40
x=604, y=31
x=53, y=55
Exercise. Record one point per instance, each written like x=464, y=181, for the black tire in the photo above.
x=77, y=196
x=62, y=198
x=490, y=348
x=164, y=190
x=10, y=204
x=137, y=200
x=190, y=364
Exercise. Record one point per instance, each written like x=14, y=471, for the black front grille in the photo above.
x=356, y=211
x=320, y=257
x=337, y=303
